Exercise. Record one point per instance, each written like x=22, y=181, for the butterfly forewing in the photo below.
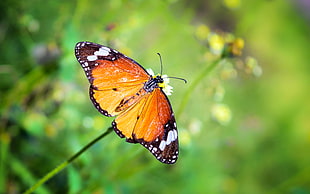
x=117, y=88
x=90, y=55
x=112, y=75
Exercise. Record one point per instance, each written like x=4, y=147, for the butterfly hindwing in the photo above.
x=152, y=124
x=165, y=149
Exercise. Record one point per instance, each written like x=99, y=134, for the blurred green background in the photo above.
x=243, y=118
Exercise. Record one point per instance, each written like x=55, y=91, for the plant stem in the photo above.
x=64, y=164
x=194, y=84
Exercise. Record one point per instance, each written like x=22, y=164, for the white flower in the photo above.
x=166, y=87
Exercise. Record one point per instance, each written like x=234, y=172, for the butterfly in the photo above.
x=120, y=87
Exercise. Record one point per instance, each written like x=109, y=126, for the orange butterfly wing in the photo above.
x=151, y=123
x=118, y=88
x=112, y=76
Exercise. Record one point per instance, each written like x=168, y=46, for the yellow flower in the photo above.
x=221, y=113
x=216, y=43
x=236, y=47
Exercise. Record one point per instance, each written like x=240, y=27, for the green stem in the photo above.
x=194, y=84
x=64, y=164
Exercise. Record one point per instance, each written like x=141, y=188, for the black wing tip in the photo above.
x=83, y=43
x=80, y=45
x=169, y=155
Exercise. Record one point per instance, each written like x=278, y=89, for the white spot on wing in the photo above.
x=103, y=51
x=162, y=145
x=92, y=58
x=169, y=138
x=175, y=134
x=172, y=136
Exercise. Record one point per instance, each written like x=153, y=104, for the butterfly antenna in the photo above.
x=185, y=81
x=161, y=64
x=161, y=70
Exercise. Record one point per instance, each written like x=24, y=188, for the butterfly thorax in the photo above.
x=153, y=83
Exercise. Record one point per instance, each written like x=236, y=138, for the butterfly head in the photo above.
x=162, y=82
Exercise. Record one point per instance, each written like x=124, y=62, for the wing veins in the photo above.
x=145, y=107
x=128, y=71
x=111, y=87
x=141, y=111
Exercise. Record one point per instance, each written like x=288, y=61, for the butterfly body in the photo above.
x=121, y=87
